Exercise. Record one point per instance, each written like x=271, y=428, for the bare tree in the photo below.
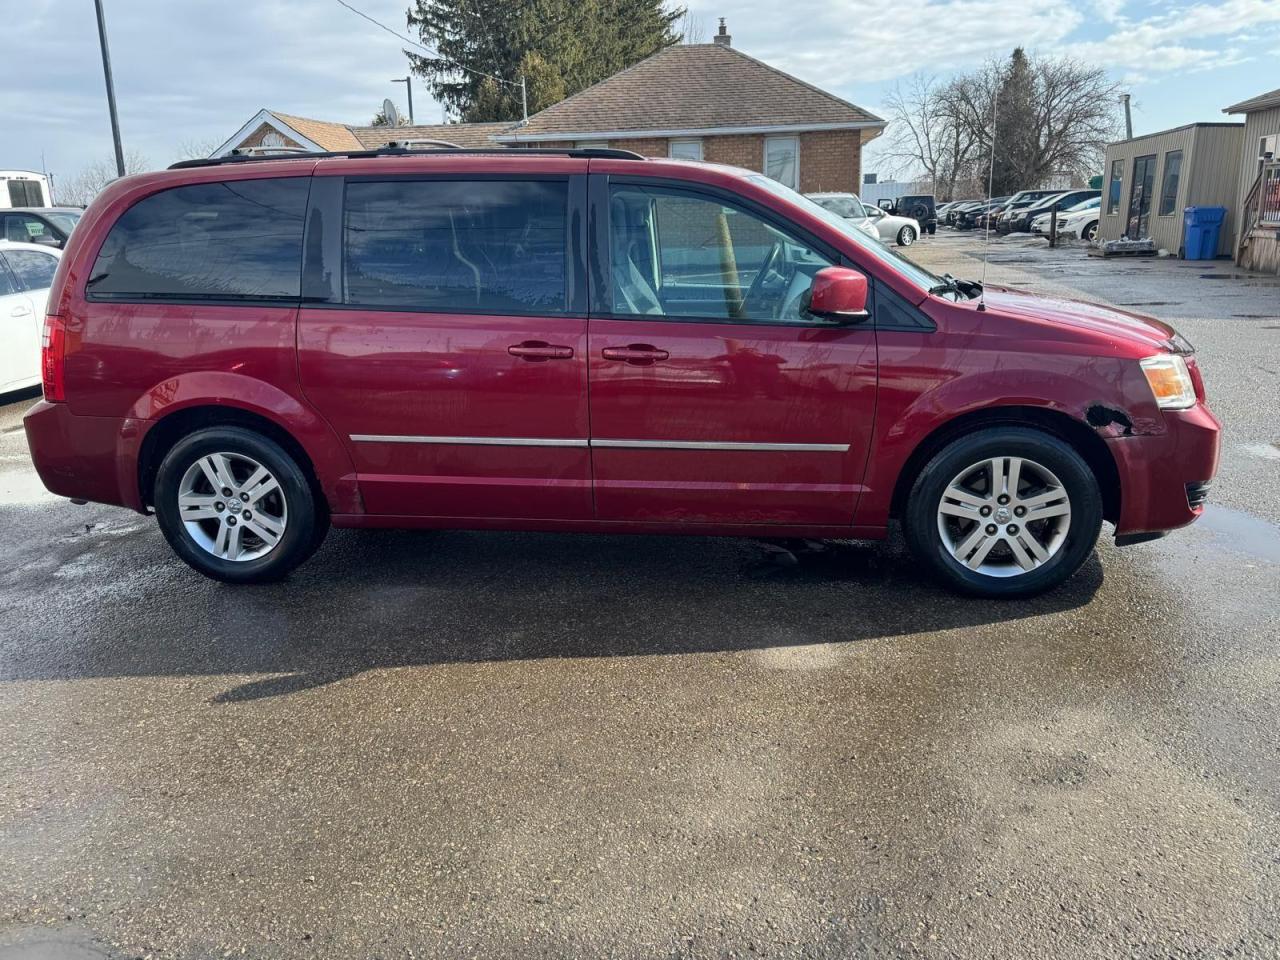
x=1050, y=117
x=88, y=183
x=193, y=149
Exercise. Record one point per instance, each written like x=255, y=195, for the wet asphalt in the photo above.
x=517, y=745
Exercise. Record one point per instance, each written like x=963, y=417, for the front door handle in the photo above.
x=636, y=354
x=539, y=351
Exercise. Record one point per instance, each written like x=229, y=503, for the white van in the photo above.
x=24, y=188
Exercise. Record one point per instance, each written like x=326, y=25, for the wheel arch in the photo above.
x=171, y=428
x=1075, y=433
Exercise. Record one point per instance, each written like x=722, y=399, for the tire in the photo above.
x=1090, y=232
x=1049, y=470
x=210, y=528
x=906, y=236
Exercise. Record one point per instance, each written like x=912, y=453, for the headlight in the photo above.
x=1170, y=381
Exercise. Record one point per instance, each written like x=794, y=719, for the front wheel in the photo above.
x=236, y=507
x=1090, y=232
x=906, y=236
x=1004, y=512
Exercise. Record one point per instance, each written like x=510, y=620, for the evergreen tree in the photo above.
x=1016, y=126
x=558, y=46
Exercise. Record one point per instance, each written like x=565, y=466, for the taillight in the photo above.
x=53, y=356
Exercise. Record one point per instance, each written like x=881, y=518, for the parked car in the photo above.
x=26, y=273
x=900, y=230
x=959, y=208
x=1021, y=200
x=918, y=207
x=1020, y=221
x=256, y=349
x=50, y=226
x=968, y=219
x=1080, y=220
x=848, y=207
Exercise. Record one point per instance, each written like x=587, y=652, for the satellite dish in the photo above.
x=389, y=111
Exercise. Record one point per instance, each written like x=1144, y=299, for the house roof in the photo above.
x=328, y=136
x=692, y=88
x=463, y=134
x=1262, y=101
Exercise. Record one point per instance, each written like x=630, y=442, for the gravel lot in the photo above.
x=514, y=746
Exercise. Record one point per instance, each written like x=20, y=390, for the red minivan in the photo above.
x=587, y=340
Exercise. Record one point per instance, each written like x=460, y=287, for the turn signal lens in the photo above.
x=1170, y=381
x=53, y=355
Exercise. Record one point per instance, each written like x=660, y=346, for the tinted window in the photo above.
x=474, y=246
x=681, y=254
x=33, y=270
x=25, y=193
x=1169, y=188
x=237, y=240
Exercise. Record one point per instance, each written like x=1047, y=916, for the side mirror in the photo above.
x=839, y=294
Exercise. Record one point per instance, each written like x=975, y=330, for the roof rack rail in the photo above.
x=603, y=153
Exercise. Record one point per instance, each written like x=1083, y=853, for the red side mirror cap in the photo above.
x=839, y=294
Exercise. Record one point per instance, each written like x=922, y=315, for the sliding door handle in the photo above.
x=537, y=351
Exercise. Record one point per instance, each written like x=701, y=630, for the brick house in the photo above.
x=704, y=101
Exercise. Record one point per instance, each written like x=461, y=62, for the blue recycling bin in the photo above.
x=1201, y=227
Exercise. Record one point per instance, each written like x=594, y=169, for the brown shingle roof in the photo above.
x=1263, y=101
x=326, y=135
x=693, y=87
x=463, y=134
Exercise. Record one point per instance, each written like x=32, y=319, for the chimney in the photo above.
x=722, y=38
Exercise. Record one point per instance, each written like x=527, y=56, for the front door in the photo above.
x=1144, y=182
x=715, y=397
x=454, y=365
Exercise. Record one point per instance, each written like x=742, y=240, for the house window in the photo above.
x=272, y=139
x=1113, y=189
x=1169, y=185
x=685, y=149
x=782, y=161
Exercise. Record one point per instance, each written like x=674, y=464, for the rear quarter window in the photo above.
x=235, y=240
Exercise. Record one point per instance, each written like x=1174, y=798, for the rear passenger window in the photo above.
x=33, y=270
x=218, y=241
x=474, y=246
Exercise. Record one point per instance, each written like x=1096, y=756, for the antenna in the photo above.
x=991, y=176
x=391, y=114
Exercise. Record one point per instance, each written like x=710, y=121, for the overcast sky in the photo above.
x=194, y=71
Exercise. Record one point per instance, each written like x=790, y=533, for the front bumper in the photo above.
x=1164, y=477
x=85, y=458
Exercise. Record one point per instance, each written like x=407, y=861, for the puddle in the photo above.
x=1242, y=532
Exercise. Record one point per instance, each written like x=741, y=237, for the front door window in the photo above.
x=1144, y=181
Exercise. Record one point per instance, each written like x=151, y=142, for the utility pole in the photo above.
x=524, y=100
x=111, y=89
x=1128, y=117
x=408, y=88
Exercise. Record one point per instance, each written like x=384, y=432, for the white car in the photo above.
x=872, y=221
x=1078, y=221
x=26, y=272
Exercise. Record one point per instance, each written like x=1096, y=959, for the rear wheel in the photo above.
x=1004, y=512
x=906, y=236
x=236, y=507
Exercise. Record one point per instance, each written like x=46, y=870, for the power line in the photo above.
x=434, y=53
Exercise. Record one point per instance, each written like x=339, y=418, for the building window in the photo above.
x=782, y=161
x=685, y=149
x=1113, y=189
x=1169, y=185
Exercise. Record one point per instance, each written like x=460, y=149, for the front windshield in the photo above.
x=64, y=221
x=899, y=264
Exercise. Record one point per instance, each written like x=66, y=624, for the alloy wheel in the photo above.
x=1004, y=517
x=232, y=506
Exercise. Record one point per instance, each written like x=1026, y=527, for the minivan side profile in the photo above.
x=255, y=349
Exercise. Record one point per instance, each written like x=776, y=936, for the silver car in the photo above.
x=873, y=221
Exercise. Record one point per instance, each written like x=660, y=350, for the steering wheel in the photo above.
x=757, y=284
